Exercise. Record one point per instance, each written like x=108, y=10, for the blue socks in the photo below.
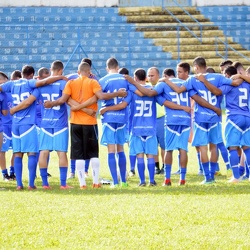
x=234, y=161
x=206, y=172
x=122, y=165
x=168, y=168
x=141, y=169
x=151, y=169
x=18, y=165
x=32, y=163
x=63, y=175
x=73, y=166
x=112, y=167
x=44, y=176
x=132, y=159
x=183, y=174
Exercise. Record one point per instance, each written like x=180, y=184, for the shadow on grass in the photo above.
x=221, y=187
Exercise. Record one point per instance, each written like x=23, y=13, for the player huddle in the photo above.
x=143, y=111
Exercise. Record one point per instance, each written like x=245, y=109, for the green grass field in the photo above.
x=177, y=217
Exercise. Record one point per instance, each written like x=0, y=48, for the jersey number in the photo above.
x=18, y=99
x=53, y=97
x=143, y=108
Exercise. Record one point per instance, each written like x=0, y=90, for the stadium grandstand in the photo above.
x=139, y=34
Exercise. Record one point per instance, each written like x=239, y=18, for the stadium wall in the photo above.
x=115, y=3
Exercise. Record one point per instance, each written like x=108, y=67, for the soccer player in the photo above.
x=177, y=124
x=237, y=131
x=207, y=129
x=84, y=130
x=143, y=131
x=23, y=123
x=7, y=124
x=3, y=111
x=114, y=123
x=224, y=64
x=153, y=76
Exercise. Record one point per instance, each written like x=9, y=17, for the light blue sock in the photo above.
x=63, y=175
x=141, y=169
x=112, y=167
x=18, y=165
x=224, y=153
x=247, y=163
x=122, y=165
x=151, y=169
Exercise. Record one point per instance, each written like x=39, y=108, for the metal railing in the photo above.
x=182, y=24
x=227, y=48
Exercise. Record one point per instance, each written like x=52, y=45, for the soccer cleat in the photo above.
x=234, y=180
x=72, y=176
x=32, y=188
x=105, y=182
x=49, y=175
x=207, y=182
x=152, y=184
x=97, y=185
x=6, y=177
x=143, y=184
x=19, y=188
x=200, y=172
x=65, y=187
x=229, y=173
x=124, y=184
x=182, y=183
x=131, y=173
x=83, y=187
x=114, y=186
x=167, y=182
x=162, y=171
x=46, y=187
x=157, y=171
x=177, y=172
x=12, y=177
x=245, y=177
x=218, y=173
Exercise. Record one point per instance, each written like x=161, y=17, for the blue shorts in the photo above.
x=143, y=144
x=237, y=131
x=160, y=131
x=24, y=139
x=114, y=133
x=205, y=133
x=176, y=137
x=7, y=138
x=54, y=139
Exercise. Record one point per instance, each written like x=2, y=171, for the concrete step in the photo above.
x=201, y=47
x=174, y=26
x=189, y=41
x=131, y=11
x=165, y=18
x=182, y=34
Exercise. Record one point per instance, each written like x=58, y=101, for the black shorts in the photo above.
x=84, y=142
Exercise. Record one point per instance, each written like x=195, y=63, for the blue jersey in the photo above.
x=57, y=116
x=143, y=114
x=193, y=85
x=237, y=99
x=7, y=105
x=174, y=116
x=21, y=90
x=112, y=83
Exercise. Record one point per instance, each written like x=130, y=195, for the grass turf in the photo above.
x=177, y=217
